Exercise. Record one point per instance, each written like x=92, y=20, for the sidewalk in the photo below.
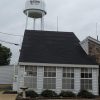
x=8, y=96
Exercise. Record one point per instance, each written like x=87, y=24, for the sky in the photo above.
x=78, y=16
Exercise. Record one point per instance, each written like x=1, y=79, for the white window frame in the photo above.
x=32, y=77
x=86, y=78
x=50, y=77
x=70, y=78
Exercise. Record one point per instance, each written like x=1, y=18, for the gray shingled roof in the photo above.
x=53, y=47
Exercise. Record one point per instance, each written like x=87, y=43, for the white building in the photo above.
x=6, y=76
x=53, y=60
x=56, y=61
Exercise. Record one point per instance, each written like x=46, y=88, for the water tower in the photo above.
x=35, y=9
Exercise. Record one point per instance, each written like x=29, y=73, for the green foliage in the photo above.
x=49, y=93
x=85, y=94
x=31, y=94
x=67, y=94
x=5, y=55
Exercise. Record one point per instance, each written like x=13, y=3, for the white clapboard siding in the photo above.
x=6, y=74
x=59, y=79
x=95, y=81
x=40, y=75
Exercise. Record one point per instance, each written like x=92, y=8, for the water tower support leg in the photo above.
x=26, y=20
x=34, y=24
x=42, y=23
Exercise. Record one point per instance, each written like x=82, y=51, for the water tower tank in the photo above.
x=35, y=8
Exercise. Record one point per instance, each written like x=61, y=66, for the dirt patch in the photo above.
x=8, y=96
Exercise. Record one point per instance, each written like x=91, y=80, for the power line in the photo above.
x=10, y=43
x=11, y=34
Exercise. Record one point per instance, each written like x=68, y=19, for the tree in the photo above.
x=5, y=55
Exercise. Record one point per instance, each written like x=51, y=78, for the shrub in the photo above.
x=31, y=94
x=85, y=94
x=49, y=93
x=67, y=94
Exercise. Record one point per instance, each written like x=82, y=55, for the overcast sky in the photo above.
x=78, y=16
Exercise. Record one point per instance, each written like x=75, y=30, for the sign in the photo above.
x=36, y=2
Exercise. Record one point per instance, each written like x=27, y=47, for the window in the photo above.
x=68, y=78
x=86, y=78
x=30, y=79
x=31, y=70
x=49, y=81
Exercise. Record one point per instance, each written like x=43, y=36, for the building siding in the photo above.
x=40, y=76
x=95, y=81
x=84, y=45
x=58, y=79
x=21, y=73
x=6, y=74
x=76, y=80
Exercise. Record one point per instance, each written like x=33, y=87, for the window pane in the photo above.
x=68, y=75
x=90, y=70
x=68, y=81
x=45, y=86
x=68, y=86
x=90, y=82
x=90, y=75
x=63, y=86
x=86, y=70
x=49, y=80
x=68, y=70
x=64, y=70
x=53, y=86
x=72, y=70
x=53, y=80
x=86, y=75
x=82, y=75
x=86, y=84
x=82, y=87
x=45, y=69
x=53, y=74
x=85, y=81
x=68, y=78
x=34, y=73
x=82, y=81
x=49, y=74
x=72, y=81
x=49, y=83
x=72, y=86
x=64, y=75
x=30, y=82
x=72, y=75
x=64, y=81
x=90, y=87
x=45, y=74
x=82, y=70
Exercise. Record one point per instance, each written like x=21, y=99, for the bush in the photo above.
x=31, y=94
x=49, y=93
x=85, y=94
x=9, y=92
x=67, y=94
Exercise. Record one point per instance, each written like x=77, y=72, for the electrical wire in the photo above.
x=10, y=43
x=10, y=34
